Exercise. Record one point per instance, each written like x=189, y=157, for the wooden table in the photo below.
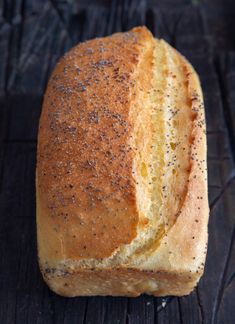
x=33, y=35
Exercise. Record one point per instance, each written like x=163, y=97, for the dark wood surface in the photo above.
x=33, y=35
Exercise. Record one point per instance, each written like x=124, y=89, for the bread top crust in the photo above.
x=86, y=188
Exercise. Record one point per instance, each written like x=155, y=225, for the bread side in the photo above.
x=119, y=282
x=166, y=252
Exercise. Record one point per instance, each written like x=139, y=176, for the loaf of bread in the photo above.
x=121, y=178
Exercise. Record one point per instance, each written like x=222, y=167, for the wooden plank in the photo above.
x=95, y=311
x=116, y=310
x=226, y=77
x=5, y=33
x=23, y=112
x=75, y=310
x=190, y=313
x=139, y=308
x=170, y=314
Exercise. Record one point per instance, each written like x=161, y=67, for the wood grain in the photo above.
x=33, y=35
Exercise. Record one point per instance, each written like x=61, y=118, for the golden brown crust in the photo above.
x=85, y=184
x=174, y=262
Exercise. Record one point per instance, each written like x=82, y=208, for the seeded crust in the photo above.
x=113, y=217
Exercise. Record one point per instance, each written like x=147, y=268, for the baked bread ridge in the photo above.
x=176, y=262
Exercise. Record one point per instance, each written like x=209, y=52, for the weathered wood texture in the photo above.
x=33, y=35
